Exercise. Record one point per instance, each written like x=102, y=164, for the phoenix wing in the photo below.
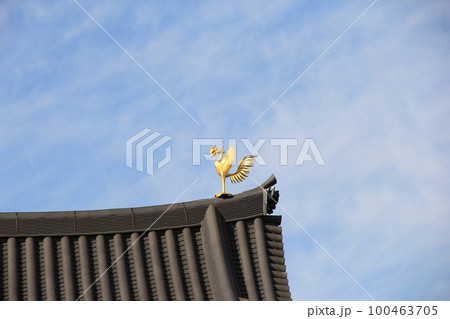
x=228, y=160
x=243, y=169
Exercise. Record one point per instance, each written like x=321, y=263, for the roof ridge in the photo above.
x=248, y=204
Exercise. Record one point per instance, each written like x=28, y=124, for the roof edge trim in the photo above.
x=248, y=204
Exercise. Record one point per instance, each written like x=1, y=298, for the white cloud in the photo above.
x=375, y=105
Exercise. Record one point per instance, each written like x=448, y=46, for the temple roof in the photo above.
x=211, y=249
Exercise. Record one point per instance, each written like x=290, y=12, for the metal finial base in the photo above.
x=224, y=195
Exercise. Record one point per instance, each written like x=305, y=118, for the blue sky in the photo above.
x=377, y=105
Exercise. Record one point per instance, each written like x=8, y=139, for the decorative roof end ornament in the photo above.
x=224, y=164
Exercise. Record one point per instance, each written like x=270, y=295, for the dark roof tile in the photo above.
x=210, y=249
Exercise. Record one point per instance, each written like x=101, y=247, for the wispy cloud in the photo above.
x=376, y=106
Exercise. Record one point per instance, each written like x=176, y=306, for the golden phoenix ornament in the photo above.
x=224, y=163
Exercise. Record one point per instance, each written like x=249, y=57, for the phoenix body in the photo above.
x=224, y=163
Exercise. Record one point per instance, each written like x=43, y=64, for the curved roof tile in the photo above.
x=210, y=249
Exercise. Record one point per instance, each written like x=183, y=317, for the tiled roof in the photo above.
x=212, y=249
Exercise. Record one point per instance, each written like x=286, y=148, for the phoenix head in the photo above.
x=215, y=151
